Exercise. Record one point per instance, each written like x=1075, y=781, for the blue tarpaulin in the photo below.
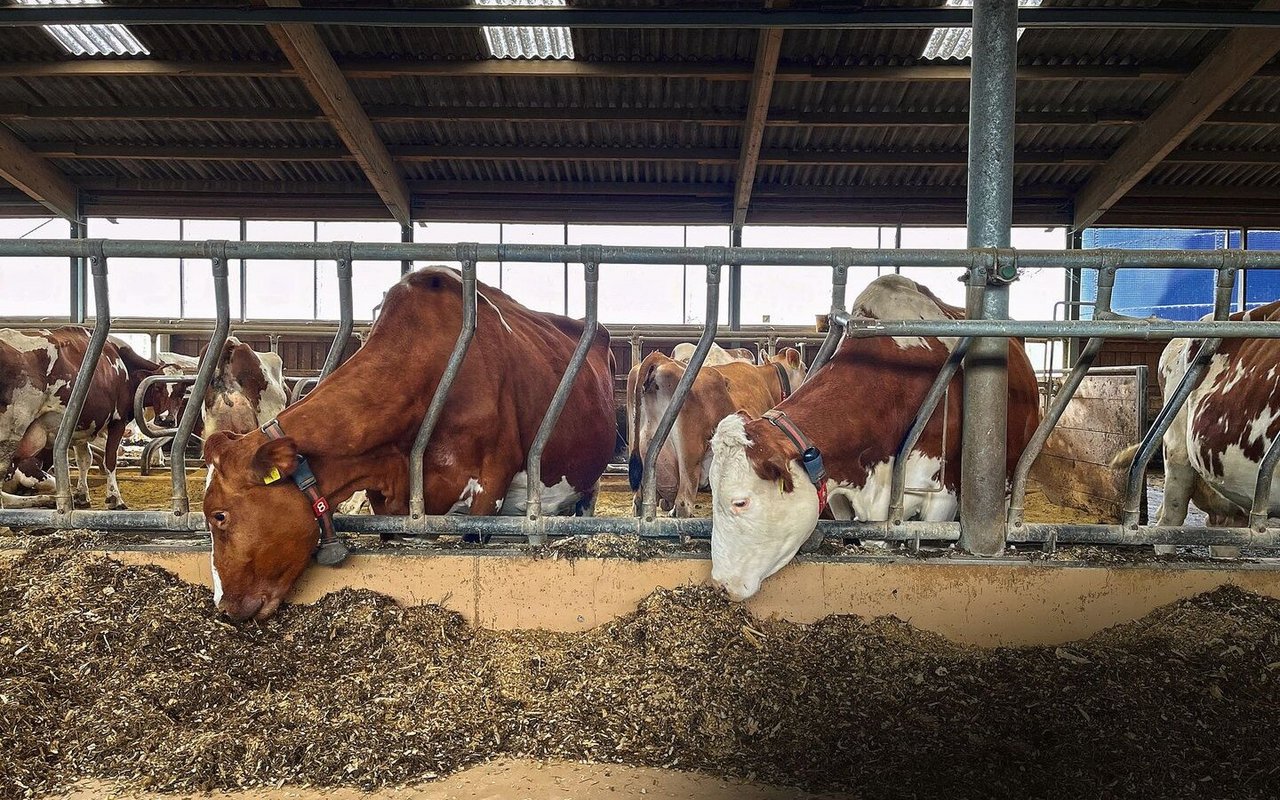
x=1181, y=294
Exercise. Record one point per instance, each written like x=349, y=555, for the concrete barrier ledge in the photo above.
x=1007, y=601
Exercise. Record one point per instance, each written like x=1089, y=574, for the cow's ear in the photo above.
x=216, y=445
x=792, y=357
x=275, y=459
x=773, y=467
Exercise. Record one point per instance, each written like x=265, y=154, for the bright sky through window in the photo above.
x=91, y=40
x=948, y=43
x=506, y=41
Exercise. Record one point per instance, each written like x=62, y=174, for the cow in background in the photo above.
x=854, y=412
x=681, y=353
x=37, y=369
x=247, y=390
x=718, y=391
x=1214, y=447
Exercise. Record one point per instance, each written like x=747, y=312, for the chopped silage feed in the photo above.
x=124, y=673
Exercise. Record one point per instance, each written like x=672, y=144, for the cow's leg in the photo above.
x=688, y=450
x=8, y=500
x=84, y=462
x=587, y=503
x=115, y=432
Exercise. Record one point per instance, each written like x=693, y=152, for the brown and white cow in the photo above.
x=681, y=353
x=37, y=369
x=1213, y=448
x=715, y=356
x=246, y=392
x=718, y=391
x=357, y=428
x=855, y=411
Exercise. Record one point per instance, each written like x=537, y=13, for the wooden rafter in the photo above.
x=768, y=46
x=1233, y=62
x=35, y=176
x=315, y=66
x=696, y=155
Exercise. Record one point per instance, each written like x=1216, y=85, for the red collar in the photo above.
x=330, y=550
x=810, y=456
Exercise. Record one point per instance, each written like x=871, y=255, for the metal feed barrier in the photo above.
x=984, y=527
x=535, y=527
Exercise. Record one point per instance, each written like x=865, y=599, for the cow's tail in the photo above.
x=644, y=383
x=1124, y=459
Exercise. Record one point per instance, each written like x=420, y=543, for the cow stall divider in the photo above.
x=536, y=526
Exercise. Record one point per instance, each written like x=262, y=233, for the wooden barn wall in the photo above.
x=1132, y=352
x=302, y=355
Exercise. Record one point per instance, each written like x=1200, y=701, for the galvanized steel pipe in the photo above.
x=649, y=496
x=80, y=389
x=204, y=376
x=464, y=253
x=533, y=511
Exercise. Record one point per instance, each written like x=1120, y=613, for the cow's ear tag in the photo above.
x=781, y=489
x=272, y=476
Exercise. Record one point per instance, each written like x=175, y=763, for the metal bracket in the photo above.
x=1004, y=267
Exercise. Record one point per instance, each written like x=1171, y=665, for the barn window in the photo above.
x=91, y=40
x=948, y=43
x=540, y=41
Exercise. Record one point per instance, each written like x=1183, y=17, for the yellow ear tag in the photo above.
x=272, y=476
x=780, y=489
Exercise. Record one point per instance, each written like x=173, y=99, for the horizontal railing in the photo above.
x=999, y=264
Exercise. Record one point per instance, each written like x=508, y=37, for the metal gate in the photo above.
x=991, y=267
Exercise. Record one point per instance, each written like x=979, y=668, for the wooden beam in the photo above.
x=1239, y=55
x=314, y=64
x=36, y=177
x=518, y=114
x=768, y=46
x=376, y=69
x=695, y=155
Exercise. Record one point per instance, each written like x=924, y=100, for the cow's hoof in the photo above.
x=80, y=502
x=116, y=504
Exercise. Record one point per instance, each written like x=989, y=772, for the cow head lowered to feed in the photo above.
x=839, y=434
x=357, y=429
x=262, y=528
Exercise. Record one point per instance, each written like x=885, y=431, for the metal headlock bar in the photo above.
x=1000, y=263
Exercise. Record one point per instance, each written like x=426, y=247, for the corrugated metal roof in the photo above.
x=622, y=102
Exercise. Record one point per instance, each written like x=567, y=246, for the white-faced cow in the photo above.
x=37, y=369
x=718, y=391
x=1214, y=447
x=854, y=413
x=357, y=428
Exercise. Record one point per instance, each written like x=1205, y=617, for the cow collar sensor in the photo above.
x=810, y=456
x=330, y=550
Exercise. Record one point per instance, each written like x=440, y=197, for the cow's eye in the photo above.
x=741, y=504
x=220, y=517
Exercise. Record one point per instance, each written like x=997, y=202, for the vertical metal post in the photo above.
x=244, y=273
x=649, y=497
x=990, y=217
x=406, y=237
x=217, y=254
x=1134, y=493
x=79, y=230
x=735, y=284
x=84, y=377
x=835, y=331
x=1262, y=489
x=467, y=255
x=533, y=512
x=1106, y=284
x=346, y=322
